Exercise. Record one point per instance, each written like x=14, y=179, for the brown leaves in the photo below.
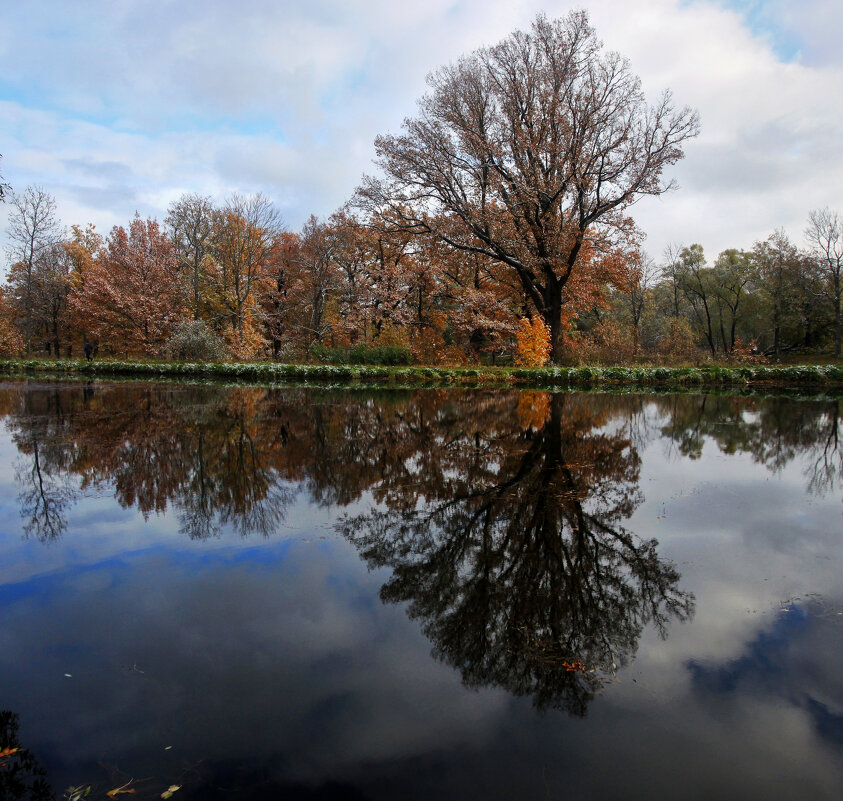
x=123, y=790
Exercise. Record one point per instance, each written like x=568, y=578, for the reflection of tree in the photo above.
x=521, y=573
x=775, y=431
x=44, y=497
x=207, y=452
x=46, y=491
x=21, y=777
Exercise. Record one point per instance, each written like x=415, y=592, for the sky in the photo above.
x=117, y=106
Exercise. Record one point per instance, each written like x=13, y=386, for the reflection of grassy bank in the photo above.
x=796, y=375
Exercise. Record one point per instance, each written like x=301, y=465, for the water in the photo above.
x=305, y=594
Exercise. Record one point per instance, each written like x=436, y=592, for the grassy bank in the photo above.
x=792, y=375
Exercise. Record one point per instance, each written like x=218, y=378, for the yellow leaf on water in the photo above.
x=170, y=790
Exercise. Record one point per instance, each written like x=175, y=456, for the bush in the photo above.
x=679, y=343
x=362, y=354
x=195, y=342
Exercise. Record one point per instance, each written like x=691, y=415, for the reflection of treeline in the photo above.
x=500, y=514
x=237, y=456
x=773, y=431
x=21, y=776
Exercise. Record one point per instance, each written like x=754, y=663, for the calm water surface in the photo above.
x=302, y=594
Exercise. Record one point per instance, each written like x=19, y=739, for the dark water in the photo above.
x=299, y=594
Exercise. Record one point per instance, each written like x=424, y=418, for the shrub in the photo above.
x=195, y=342
x=679, y=342
x=362, y=354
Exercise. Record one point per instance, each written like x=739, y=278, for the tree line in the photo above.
x=228, y=281
x=497, y=227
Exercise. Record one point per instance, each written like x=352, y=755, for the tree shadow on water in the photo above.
x=525, y=578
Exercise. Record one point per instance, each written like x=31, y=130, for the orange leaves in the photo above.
x=532, y=343
x=132, y=298
x=533, y=409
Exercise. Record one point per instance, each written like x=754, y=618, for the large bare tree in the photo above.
x=825, y=236
x=529, y=150
x=34, y=230
x=191, y=223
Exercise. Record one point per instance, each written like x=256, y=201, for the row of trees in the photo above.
x=229, y=280
x=504, y=200
x=770, y=299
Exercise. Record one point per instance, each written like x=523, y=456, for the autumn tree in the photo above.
x=34, y=230
x=243, y=243
x=695, y=282
x=132, y=295
x=734, y=277
x=316, y=275
x=83, y=249
x=51, y=294
x=528, y=149
x=635, y=296
x=191, y=223
x=825, y=237
x=11, y=341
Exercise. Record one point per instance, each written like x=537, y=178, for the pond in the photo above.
x=298, y=593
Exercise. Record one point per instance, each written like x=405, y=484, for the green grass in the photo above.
x=792, y=375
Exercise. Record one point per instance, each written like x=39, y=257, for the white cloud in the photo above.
x=118, y=106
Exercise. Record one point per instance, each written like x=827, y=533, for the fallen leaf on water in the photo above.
x=120, y=790
x=77, y=793
x=168, y=793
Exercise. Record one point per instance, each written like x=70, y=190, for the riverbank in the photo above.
x=714, y=375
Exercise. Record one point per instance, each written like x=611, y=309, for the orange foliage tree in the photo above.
x=532, y=342
x=243, y=245
x=130, y=298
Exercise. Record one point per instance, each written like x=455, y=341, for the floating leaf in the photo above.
x=77, y=793
x=120, y=790
x=168, y=793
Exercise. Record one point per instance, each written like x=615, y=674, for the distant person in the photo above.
x=89, y=351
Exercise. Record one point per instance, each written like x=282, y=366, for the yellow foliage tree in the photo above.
x=532, y=342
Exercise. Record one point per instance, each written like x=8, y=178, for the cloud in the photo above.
x=114, y=106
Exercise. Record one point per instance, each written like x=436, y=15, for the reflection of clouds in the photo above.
x=329, y=683
x=319, y=669
x=795, y=661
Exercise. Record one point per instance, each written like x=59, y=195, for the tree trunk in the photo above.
x=552, y=315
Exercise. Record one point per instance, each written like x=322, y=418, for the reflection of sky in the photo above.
x=279, y=652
